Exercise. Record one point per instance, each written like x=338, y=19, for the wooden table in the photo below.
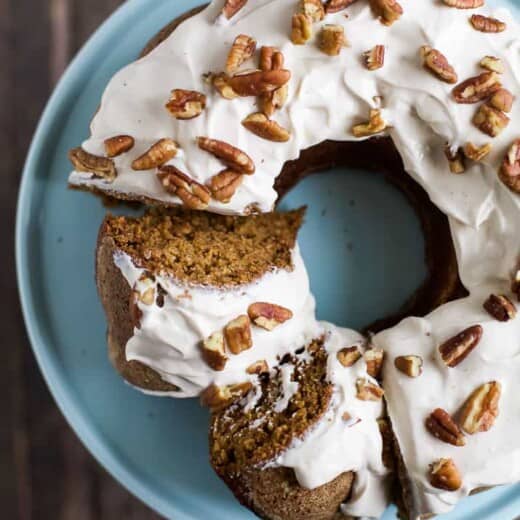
x=45, y=473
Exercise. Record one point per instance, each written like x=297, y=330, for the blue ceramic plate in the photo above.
x=359, y=235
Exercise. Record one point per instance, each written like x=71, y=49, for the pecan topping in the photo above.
x=440, y=424
x=464, y=4
x=118, y=144
x=219, y=397
x=493, y=64
x=502, y=99
x=268, y=315
x=500, y=307
x=374, y=360
x=375, y=125
x=443, y=472
x=476, y=153
x=436, y=62
x=271, y=58
x=348, y=356
x=388, y=11
x=510, y=175
x=332, y=39
x=221, y=83
x=259, y=82
x=242, y=49
x=301, y=28
x=477, y=88
x=409, y=365
x=213, y=351
x=486, y=24
x=224, y=185
x=192, y=194
x=231, y=7
x=313, y=9
x=87, y=162
x=368, y=391
x=233, y=157
x=455, y=159
x=490, y=120
x=258, y=367
x=238, y=334
x=454, y=350
x=186, y=104
x=481, y=408
x=158, y=154
x=374, y=58
x=333, y=6
x=266, y=128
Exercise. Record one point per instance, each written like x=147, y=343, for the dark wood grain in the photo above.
x=45, y=472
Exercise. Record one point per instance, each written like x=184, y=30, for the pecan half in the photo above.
x=464, y=4
x=233, y=157
x=186, y=104
x=332, y=39
x=258, y=367
x=440, y=424
x=214, y=351
x=455, y=159
x=333, y=6
x=313, y=9
x=259, y=82
x=476, y=153
x=493, y=64
x=271, y=58
x=158, y=154
x=388, y=11
x=260, y=125
x=500, y=307
x=242, y=49
x=374, y=58
x=490, y=121
x=487, y=24
x=444, y=474
x=221, y=84
x=374, y=360
x=301, y=28
x=193, y=194
x=409, y=365
x=435, y=62
x=509, y=174
x=502, y=100
x=375, y=125
x=268, y=315
x=224, y=185
x=454, y=350
x=477, y=88
x=231, y=7
x=118, y=145
x=481, y=408
x=368, y=391
x=347, y=356
x=217, y=398
x=84, y=161
x=238, y=334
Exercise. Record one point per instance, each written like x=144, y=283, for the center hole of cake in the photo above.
x=362, y=244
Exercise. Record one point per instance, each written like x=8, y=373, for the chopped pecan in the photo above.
x=231, y=7
x=186, y=104
x=492, y=64
x=502, y=100
x=217, y=398
x=375, y=125
x=118, y=144
x=490, y=120
x=332, y=39
x=477, y=88
x=258, y=367
x=214, y=351
x=260, y=125
x=238, y=334
x=192, y=194
x=487, y=24
x=221, y=83
x=224, y=185
x=443, y=472
x=510, y=175
x=374, y=360
x=259, y=82
x=347, y=356
x=313, y=9
x=333, y=6
x=481, y=408
x=500, y=307
x=455, y=159
x=233, y=157
x=436, y=62
x=374, y=58
x=454, y=350
x=301, y=28
x=476, y=153
x=464, y=4
x=158, y=154
x=388, y=11
x=84, y=161
x=268, y=315
x=242, y=49
x=440, y=424
x=409, y=365
x=368, y=391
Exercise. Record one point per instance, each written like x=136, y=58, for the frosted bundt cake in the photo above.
x=225, y=112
